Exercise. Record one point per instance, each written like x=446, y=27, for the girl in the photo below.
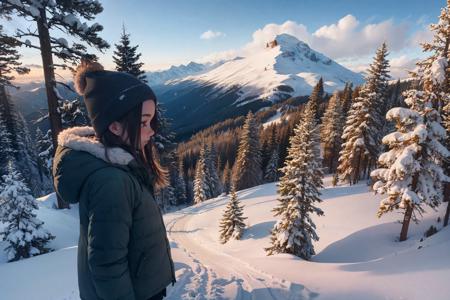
x=110, y=169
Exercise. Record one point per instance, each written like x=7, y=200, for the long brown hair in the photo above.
x=148, y=157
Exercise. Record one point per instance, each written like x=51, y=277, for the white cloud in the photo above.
x=270, y=31
x=400, y=66
x=218, y=56
x=421, y=36
x=345, y=39
x=208, y=35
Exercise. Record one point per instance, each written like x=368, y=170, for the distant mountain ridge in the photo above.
x=284, y=68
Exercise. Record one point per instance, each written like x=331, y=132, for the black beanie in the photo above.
x=110, y=95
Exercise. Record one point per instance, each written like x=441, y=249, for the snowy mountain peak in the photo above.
x=286, y=41
x=290, y=46
x=286, y=67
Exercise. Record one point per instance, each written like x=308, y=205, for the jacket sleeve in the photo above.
x=110, y=218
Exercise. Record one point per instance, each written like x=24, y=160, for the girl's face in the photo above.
x=147, y=114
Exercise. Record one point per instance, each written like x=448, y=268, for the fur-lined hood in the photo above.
x=78, y=156
x=83, y=139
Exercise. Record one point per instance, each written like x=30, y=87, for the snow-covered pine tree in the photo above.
x=24, y=233
x=331, y=132
x=201, y=187
x=180, y=186
x=72, y=113
x=247, y=171
x=226, y=178
x=41, y=145
x=126, y=57
x=213, y=180
x=434, y=73
x=316, y=98
x=446, y=117
x=20, y=146
x=164, y=137
x=27, y=160
x=44, y=19
x=6, y=151
x=9, y=63
x=165, y=197
x=45, y=150
x=363, y=128
x=299, y=192
x=271, y=172
x=346, y=99
x=232, y=224
x=349, y=160
x=411, y=175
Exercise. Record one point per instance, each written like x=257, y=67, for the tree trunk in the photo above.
x=357, y=169
x=50, y=85
x=409, y=211
x=405, y=225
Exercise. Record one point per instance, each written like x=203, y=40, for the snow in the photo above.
x=438, y=70
x=291, y=68
x=72, y=20
x=358, y=255
x=275, y=119
x=63, y=42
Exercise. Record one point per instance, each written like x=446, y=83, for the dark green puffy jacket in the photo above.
x=123, y=251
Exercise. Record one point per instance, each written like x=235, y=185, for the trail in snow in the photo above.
x=209, y=273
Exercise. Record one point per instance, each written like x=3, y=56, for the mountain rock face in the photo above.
x=284, y=68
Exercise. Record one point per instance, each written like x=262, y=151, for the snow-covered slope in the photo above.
x=358, y=255
x=286, y=66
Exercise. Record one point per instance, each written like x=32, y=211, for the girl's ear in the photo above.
x=116, y=128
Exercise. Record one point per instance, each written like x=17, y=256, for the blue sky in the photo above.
x=169, y=32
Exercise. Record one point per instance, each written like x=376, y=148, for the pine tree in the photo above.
x=331, y=132
x=214, y=183
x=271, y=172
x=299, y=192
x=434, y=71
x=9, y=61
x=73, y=113
x=126, y=58
x=232, y=224
x=226, y=178
x=164, y=137
x=49, y=17
x=446, y=116
x=316, y=99
x=412, y=173
x=45, y=150
x=201, y=187
x=180, y=186
x=6, y=151
x=434, y=74
x=347, y=98
x=364, y=124
x=165, y=197
x=24, y=233
x=248, y=172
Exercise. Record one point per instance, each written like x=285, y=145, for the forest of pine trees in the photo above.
x=394, y=136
